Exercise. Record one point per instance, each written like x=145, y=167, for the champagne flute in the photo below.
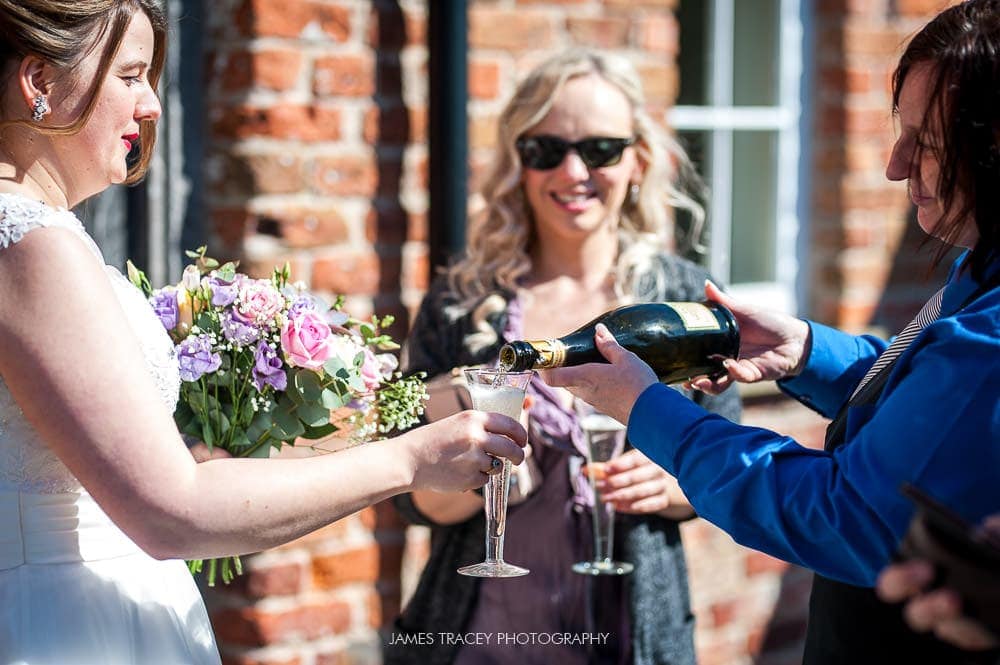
x=605, y=440
x=500, y=392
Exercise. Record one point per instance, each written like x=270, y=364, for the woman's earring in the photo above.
x=633, y=194
x=39, y=107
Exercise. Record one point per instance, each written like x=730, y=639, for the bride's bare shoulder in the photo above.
x=43, y=268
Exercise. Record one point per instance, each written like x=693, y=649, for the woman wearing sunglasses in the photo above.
x=577, y=219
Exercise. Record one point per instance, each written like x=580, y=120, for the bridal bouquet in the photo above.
x=263, y=363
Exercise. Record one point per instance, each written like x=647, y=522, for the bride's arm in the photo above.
x=74, y=367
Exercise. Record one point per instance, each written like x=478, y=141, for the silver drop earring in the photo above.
x=39, y=107
x=633, y=194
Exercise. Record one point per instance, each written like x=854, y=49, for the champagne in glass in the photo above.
x=605, y=441
x=499, y=392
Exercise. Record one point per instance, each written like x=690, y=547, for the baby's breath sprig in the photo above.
x=400, y=403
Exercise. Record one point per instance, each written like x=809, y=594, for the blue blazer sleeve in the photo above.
x=836, y=364
x=936, y=425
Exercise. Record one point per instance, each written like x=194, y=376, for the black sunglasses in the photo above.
x=547, y=152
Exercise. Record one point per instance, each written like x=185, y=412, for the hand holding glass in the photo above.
x=498, y=392
x=605, y=440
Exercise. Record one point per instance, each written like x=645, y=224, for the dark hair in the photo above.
x=63, y=33
x=962, y=44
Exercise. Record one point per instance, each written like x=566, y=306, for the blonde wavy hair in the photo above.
x=500, y=237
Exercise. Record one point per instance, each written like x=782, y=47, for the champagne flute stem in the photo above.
x=495, y=495
x=604, y=529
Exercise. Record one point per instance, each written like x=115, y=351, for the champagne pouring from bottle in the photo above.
x=678, y=340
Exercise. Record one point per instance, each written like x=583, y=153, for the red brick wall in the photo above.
x=867, y=268
x=317, y=155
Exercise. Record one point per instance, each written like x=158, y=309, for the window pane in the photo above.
x=692, y=61
x=697, y=145
x=755, y=160
x=755, y=53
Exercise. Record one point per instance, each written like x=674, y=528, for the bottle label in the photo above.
x=695, y=316
x=551, y=353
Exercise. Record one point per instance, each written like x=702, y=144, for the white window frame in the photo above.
x=720, y=119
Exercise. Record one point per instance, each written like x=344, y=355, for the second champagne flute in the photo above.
x=498, y=392
x=605, y=441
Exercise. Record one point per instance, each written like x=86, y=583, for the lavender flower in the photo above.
x=164, y=302
x=223, y=292
x=236, y=330
x=195, y=357
x=302, y=302
x=267, y=368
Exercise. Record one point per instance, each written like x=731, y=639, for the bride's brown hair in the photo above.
x=63, y=33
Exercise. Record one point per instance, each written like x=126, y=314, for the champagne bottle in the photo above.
x=677, y=340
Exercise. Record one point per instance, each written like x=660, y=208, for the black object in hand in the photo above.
x=966, y=558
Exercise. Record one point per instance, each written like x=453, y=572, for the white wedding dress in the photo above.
x=74, y=589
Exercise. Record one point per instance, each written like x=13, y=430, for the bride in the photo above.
x=98, y=495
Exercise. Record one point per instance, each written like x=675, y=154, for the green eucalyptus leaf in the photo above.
x=308, y=385
x=313, y=415
x=227, y=271
x=246, y=411
x=204, y=320
x=331, y=399
x=207, y=435
x=334, y=367
x=293, y=393
x=183, y=415
x=218, y=380
x=294, y=430
x=262, y=452
x=220, y=421
x=286, y=419
x=239, y=438
x=357, y=384
x=259, y=427
x=319, y=432
x=192, y=428
x=210, y=403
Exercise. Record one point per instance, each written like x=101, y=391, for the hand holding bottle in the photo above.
x=611, y=388
x=772, y=345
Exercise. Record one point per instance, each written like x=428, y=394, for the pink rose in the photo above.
x=258, y=302
x=306, y=340
x=371, y=370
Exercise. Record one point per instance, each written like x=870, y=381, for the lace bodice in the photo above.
x=26, y=463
